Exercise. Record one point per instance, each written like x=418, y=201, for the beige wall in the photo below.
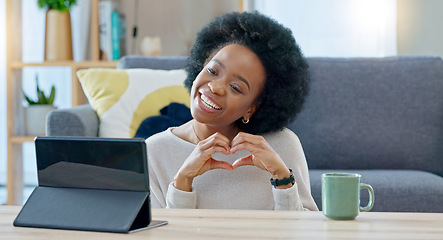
x=176, y=22
x=420, y=27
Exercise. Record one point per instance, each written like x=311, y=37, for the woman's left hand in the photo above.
x=262, y=155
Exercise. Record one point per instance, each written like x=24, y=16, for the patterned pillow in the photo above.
x=123, y=98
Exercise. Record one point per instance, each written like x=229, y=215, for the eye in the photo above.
x=211, y=71
x=236, y=89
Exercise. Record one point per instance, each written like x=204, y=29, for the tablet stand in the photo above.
x=87, y=209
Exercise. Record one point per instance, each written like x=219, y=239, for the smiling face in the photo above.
x=227, y=87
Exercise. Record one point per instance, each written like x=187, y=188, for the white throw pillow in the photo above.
x=123, y=98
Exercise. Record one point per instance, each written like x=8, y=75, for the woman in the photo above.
x=247, y=79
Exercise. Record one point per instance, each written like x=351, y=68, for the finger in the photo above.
x=242, y=137
x=239, y=138
x=216, y=164
x=251, y=140
x=245, y=145
x=215, y=149
x=217, y=139
x=211, y=145
x=243, y=162
x=219, y=136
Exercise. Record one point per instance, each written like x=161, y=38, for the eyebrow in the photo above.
x=234, y=75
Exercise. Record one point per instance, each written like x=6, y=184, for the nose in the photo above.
x=217, y=87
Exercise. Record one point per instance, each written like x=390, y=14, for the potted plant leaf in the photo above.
x=37, y=110
x=58, y=38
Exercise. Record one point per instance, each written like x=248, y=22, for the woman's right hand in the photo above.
x=201, y=161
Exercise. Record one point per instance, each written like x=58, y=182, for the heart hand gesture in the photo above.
x=200, y=160
x=262, y=155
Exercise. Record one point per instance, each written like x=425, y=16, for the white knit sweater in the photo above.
x=246, y=187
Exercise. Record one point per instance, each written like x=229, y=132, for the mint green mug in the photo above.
x=341, y=195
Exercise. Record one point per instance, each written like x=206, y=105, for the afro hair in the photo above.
x=287, y=72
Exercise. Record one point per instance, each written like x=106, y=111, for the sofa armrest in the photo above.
x=77, y=121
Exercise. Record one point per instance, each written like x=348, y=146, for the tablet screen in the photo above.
x=97, y=163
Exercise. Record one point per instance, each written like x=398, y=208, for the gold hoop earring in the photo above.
x=245, y=121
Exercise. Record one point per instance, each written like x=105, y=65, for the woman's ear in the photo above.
x=251, y=110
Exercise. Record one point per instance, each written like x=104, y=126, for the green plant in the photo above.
x=41, y=98
x=60, y=5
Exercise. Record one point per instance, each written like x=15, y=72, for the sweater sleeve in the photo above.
x=287, y=199
x=162, y=168
x=176, y=198
x=297, y=197
x=157, y=199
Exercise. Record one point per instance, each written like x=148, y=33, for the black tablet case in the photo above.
x=92, y=184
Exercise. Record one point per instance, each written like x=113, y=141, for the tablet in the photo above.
x=95, y=163
x=93, y=184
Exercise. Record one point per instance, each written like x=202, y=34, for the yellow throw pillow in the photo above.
x=123, y=98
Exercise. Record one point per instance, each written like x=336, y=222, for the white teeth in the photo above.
x=209, y=103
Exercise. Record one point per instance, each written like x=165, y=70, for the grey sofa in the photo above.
x=380, y=117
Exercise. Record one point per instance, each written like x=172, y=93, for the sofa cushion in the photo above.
x=77, y=121
x=162, y=62
x=374, y=113
x=124, y=98
x=395, y=190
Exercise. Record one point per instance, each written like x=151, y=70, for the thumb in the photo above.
x=215, y=164
x=243, y=161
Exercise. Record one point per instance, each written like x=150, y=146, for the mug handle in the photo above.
x=371, y=197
